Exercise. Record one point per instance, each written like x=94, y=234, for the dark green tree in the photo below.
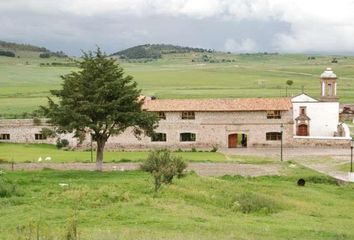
x=100, y=100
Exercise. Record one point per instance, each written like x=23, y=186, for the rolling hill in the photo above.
x=155, y=51
x=12, y=49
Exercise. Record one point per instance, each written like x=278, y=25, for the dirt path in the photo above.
x=204, y=169
x=323, y=160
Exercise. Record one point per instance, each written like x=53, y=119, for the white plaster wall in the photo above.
x=324, y=117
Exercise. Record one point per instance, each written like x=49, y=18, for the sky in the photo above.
x=286, y=26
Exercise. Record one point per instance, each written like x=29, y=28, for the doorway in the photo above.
x=302, y=130
x=237, y=140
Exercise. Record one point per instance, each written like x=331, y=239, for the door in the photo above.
x=232, y=140
x=302, y=130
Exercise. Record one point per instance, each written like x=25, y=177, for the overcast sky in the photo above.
x=325, y=26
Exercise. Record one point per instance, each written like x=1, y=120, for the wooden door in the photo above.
x=302, y=130
x=232, y=140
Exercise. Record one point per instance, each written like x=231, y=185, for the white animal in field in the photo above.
x=63, y=184
x=40, y=159
x=48, y=159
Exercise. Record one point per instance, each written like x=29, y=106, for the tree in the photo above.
x=99, y=100
x=163, y=167
x=288, y=83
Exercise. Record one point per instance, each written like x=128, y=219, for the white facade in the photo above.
x=323, y=116
x=319, y=118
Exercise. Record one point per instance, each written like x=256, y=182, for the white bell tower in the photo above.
x=329, y=86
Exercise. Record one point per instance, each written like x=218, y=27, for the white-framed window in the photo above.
x=273, y=136
x=188, y=115
x=4, y=136
x=187, y=137
x=39, y=136
x=274, y=114
x=159, y=137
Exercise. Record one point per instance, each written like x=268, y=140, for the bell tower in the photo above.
x=329, y=86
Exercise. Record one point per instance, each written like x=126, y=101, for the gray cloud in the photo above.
x=231, y=25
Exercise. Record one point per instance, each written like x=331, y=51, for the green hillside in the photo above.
x=11, y=49
x=154, y=51
x=25, y=82
x=21, y=47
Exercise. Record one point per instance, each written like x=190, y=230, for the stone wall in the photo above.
x=337, y=142
x=24, y=130
x=211, y=129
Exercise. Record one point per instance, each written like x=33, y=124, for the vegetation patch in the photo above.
x=8, y=188
x=251, y=202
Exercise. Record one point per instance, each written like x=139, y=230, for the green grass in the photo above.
x=31, y=152
x=122, y=205
x=252, y=159
x=25, y=84
x=344, y=167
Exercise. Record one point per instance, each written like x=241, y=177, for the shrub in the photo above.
x=163, y=167
x=72, y=232
x=44, y=55
x=8, y=188
x=7, y=53
x=37, y=121
x=194, y=149
x=249, y=202
x=62, y=143
x=214, y=149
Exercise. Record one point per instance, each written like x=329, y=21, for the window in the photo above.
x=5, y=136
x=273, y=114
x=302, y=110
x=187, y=137
x=161, y=115
x=188, y=115
x=273, y=136
x=39, y=136
x=158, y=137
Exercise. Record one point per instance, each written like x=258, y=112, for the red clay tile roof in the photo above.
x=218, y=105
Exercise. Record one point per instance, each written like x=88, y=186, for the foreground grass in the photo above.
x=32, y=152
x=122, y=205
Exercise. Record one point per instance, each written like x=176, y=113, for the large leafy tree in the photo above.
x=99, y=99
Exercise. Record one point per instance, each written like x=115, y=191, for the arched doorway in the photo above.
x=237, y=140
x=302, y=130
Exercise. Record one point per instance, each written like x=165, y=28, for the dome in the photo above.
x=328, y=73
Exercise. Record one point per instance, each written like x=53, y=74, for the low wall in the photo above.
x=337, y=142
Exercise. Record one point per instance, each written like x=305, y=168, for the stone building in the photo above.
x=223, y=123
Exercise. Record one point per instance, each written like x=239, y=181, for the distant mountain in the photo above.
x=10, y=48
x=155, y=51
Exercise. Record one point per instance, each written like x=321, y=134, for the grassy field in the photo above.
x=122, y=205
x=25, y=84
x=32, y=152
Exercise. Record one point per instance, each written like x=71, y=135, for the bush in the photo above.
x=249, y=202
x=62, y=143
x=8, y=188
x=214, y=149
x=44, y=55
x=7, y=53
x=37, y=121
x=163, y=167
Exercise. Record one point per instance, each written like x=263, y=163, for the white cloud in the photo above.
x=243, y=46
x=314, y=25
